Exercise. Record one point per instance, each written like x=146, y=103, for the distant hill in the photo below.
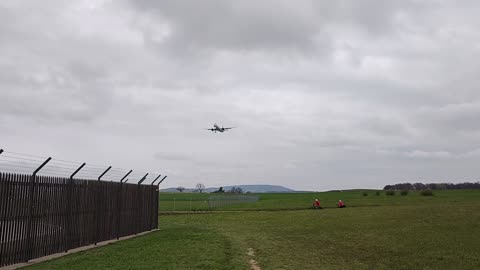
x=260, y=188
x=245, y=188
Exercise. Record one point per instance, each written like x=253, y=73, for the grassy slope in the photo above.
x=175, y=247
x=374, y=232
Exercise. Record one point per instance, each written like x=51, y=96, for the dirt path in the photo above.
x=253, y=264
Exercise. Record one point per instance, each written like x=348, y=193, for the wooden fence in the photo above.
x=41, y=215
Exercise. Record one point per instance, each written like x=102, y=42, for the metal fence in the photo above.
x=220, y=201
x=42, y=215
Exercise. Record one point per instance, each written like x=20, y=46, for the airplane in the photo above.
x=219, y=129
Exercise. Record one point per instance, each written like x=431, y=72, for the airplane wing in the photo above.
x=228, y=128
x=211, y=129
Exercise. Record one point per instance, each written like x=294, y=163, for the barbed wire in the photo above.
x=18, y=158
x=26, y=155
x=50, y=171
x=15, y=170
x=43, y=158
x=15, y=162
x=17, y=166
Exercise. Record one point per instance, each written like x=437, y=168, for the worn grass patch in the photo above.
x=193, y=246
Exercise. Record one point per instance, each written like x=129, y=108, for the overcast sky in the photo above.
x=325, y=94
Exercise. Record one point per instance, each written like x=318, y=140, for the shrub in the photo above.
x=377, y=193
x=365, y=194
x=390, y=192
x=426, y=192
x=404, y=192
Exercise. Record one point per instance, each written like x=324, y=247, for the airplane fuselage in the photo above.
x=217, y=128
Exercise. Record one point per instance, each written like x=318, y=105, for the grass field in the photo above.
x=373, y=232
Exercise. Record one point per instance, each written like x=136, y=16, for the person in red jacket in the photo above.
x=341, y=204
x=316, y=204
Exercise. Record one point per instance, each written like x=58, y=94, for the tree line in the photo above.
x=432, y=186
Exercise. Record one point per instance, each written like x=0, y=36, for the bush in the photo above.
x=365, y=194
x=426, y=192
x=390, y=192
x=377, y=193
x=404, y=192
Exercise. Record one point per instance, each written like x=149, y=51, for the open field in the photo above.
x=297, y=201
x=373, y=232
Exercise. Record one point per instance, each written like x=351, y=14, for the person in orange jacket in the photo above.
x=341, y=204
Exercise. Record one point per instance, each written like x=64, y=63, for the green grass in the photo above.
x=373, y=232
x=297, y=201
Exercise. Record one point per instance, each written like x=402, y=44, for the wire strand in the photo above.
x=18, y=158
x=67, y=161
x=17, y=166
x=20, y=162
x=26, y=155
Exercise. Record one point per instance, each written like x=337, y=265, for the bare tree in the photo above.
x=200, y=187
x=236, y=190
x=180, y=189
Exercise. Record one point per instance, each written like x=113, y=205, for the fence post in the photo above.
x=158, y=199
x=98, y=197
x=161, y=180
x=68, y=230
x=158, y=187
x=141, y=217
x=121, y=180
x=119, y=204
x=157, y=207
x=153, y=207
x=108, y=169
x=143, y=179
x=156, y=179
x=139, y=202
x=31, y=188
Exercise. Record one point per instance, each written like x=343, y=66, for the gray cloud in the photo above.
x=172, y=156
x=325, y=94
x=240, y=25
